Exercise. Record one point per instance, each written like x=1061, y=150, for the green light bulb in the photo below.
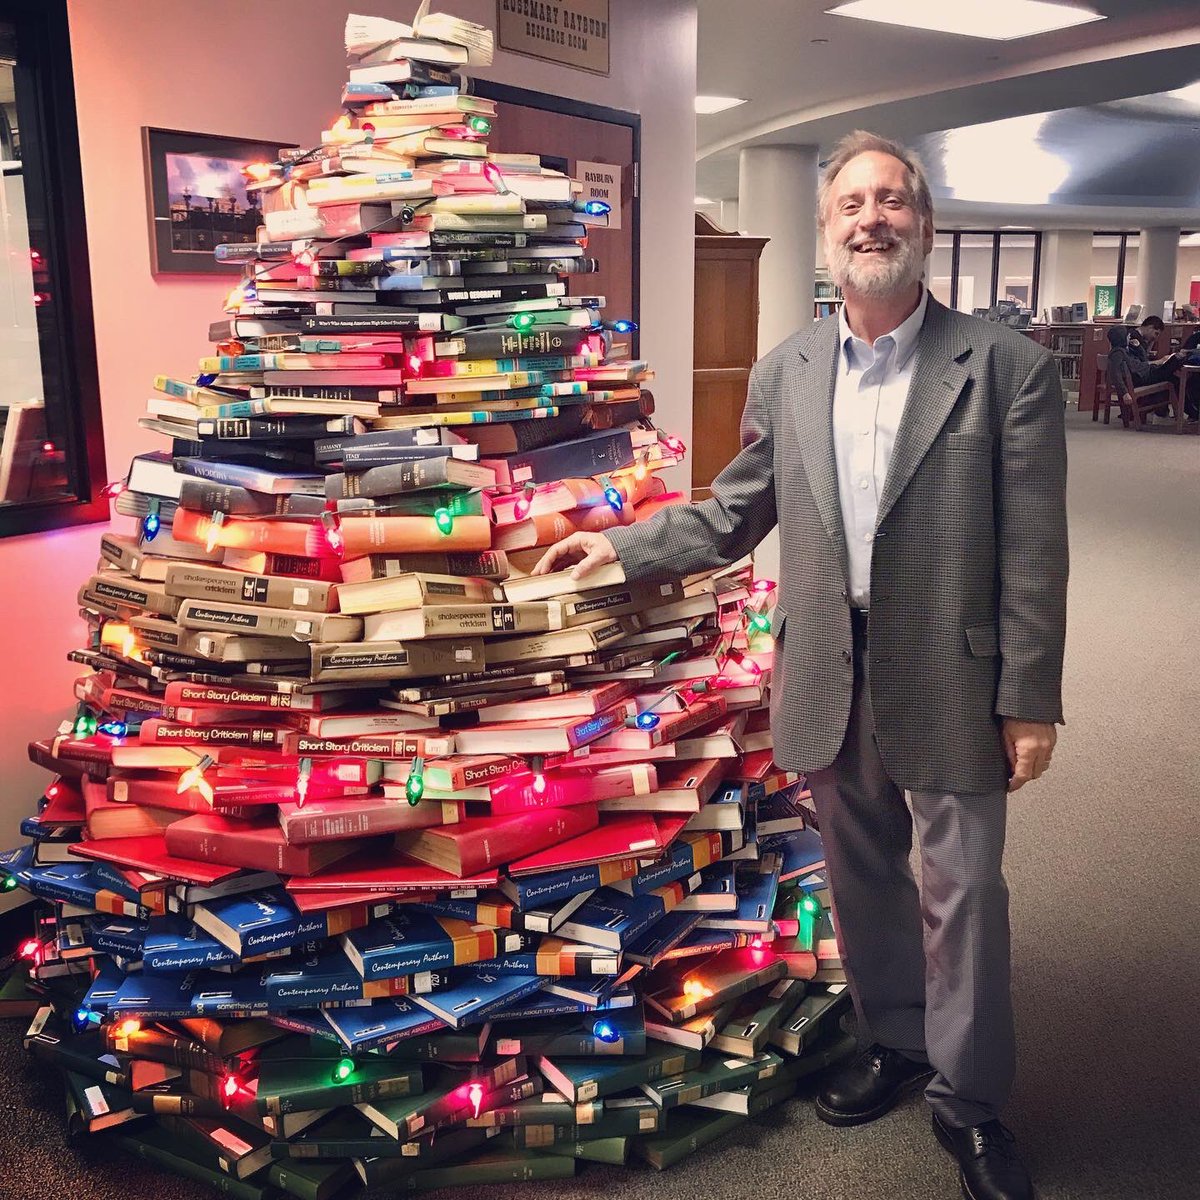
x=760, y=623
x=444, y=519
x=343, y=1070
x=522, y=321
x=479, y=125
x=414, y=788
x=9, y=884
x=809, y=905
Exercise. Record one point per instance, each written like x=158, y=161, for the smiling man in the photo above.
x=914, y=460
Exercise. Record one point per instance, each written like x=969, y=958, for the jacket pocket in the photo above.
x=983, y=640
x=778, y=619
x=979, y=443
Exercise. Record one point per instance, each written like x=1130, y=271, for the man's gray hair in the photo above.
x=863, y=142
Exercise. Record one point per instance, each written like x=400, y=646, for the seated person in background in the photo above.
x=1128, y=351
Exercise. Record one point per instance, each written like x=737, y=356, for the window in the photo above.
x=51, y=444
x=972, y=269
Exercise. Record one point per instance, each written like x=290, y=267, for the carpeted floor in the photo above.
x=1104, y=869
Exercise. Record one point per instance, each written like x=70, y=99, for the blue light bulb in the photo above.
x=604, y=1032
x=647, y=720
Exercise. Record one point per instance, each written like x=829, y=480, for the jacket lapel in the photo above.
x=811, y=402
x=937, y=382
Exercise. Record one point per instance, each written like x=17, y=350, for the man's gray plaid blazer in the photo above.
x=969, y=565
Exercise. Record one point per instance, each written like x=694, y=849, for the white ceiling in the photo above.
x=910, y=83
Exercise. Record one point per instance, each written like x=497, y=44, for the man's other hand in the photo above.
x=1029, y=746
x=586, y=550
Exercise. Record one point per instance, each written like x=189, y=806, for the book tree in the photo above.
x=371, y=858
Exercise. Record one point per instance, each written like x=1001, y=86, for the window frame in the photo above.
x=51, y=166
x=997, y=236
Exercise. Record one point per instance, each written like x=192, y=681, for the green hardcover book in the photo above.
x=756, y=1017
x=157, y=1145
x=97, y=1105
x=16, y=1000
x=49, y=1038
x=817, y=1012
x=240, y=1149
x=550, y=1108
x=682, y=990
x=450, y=1145
x=687, y=1131
x=311, y=1180
x=492, y=1166
x=615, y=1032
x=323, y=1082
x=627, y=1121
x=454, y=1096
x=695, y=1034
x=715, y=1074
x=590, y=1079
x=611, y=1150
x=450, y=1045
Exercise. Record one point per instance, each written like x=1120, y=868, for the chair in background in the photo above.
x=1136, y=402
x=1103, y=396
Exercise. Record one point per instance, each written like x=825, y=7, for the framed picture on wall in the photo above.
x=197, y=197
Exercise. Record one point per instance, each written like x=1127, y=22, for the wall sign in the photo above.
x=572, y=32
x=602, y=181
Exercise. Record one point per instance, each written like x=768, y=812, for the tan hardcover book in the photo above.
x=194, y=581
x=158, y=633
x=223, y=646
x=270, y=622
x=686, y=609
x=482, y=564
x=580, y=608
x=412, y=590
x=583, y=639
x=466, y=620
x=559, y=584
x=119, y=594
x=350, y=661
x=126, y=552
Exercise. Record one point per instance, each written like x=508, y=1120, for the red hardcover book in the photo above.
x=157, y=791
x=73, y=756
x=360, y=723
x=108, y=819
x=579, y=702
x=683, y=786
x=466, y=771
x=625, y=837
x=671, y=726
x=168, y=733
x=153, y=855
x=211, y=695
x=563, y=789
x=594, y=756
x=539, y=737
x=332, y=772
x=258, y=844
x=379, y=903
x=392, y=872
x=482, y=842
x=98, y=690
x=64, y=804
x=360, y=816
x=383, y=745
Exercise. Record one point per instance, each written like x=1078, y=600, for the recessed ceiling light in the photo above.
x=707, y=105
x=702, y=200
x=1191, y=93
x=1001, y=22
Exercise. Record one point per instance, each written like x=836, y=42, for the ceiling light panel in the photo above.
x=1000, y=21
x=707, y=105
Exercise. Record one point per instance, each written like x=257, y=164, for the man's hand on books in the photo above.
x=586, y=550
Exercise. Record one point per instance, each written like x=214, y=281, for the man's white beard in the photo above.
x=874, y=277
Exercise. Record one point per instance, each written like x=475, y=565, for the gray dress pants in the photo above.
x=928, y=970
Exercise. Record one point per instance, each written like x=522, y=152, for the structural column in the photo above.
x=1158, y=256
x=729, y=216
x=777, y=199
x=1066, y=276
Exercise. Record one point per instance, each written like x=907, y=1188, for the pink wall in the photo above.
x=181, y=65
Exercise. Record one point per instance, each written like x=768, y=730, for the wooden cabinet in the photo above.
x=726, y=345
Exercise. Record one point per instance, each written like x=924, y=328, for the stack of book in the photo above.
x=363, y=833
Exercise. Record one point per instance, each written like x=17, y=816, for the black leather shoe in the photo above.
x=869, y=1086
x=987, y=1156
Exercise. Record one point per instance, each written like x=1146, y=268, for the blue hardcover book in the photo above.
x=302, y=981
x=755, y=887
x=613, y=920
x=800, y=849
x=550, y=887
x=105, y=986
x=310, y=1020
x=257, y=922
x=545, y=1004
x=122, y=936
x=663, y=936
x=71, y=882
x=476, y=993
x=591, y=993
x=558, y=958
x=173, y=945
x=407, y=942
x=380, y=1024
x=709, y=941
x=110, y=876
x=717, y=891
x=217, y=995
x=156, y=997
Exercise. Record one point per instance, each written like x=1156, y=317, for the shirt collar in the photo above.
x=904, y=336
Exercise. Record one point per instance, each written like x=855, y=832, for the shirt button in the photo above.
x=862, y=483
x=847, y=656
x=868, y=537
